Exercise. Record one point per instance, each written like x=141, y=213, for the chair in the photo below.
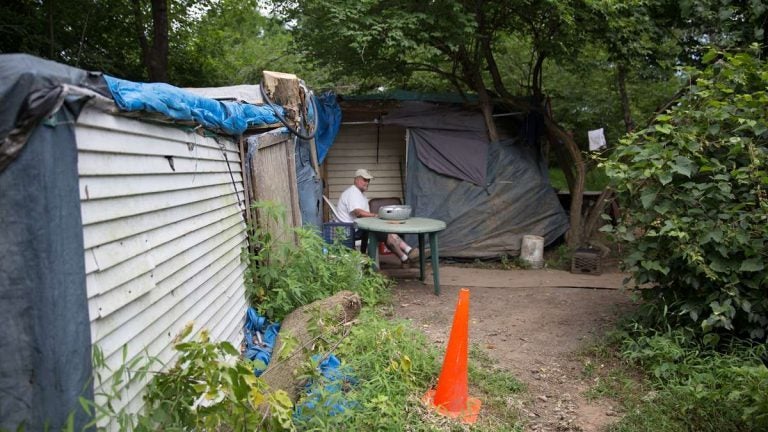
x=375, y=204
x=335, y=212
x=331, y=229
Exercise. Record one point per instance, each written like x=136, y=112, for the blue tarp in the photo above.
x=260, y=336
x=328, y=123
x=231, y=117
x=330, y=392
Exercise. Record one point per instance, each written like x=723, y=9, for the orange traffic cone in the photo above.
x=450, y=398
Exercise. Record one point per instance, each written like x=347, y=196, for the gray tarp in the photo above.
x=454, y=141
x=45, y=345
x=490, y=219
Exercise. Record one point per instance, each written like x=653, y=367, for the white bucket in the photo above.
x=532, y=251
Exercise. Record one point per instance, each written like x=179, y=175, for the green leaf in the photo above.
x=665, y=177
x=229, y=349
x=752, y=265
x=647, y=198
x=682, y=165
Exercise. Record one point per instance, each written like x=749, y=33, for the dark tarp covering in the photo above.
x=453, y=141
x=45, y=359
x=487, y=220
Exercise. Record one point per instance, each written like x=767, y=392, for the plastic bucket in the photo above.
x=532, y=251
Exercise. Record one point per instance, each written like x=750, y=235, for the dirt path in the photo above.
x=534, y=323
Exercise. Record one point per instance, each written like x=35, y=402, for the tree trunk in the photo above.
x=486, y=105
x=157, y=59
x=51, y=42
x=557, y=137
x=621, y=78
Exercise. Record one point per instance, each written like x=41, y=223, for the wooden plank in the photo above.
x=354, y=151
x=290, y=156
x=269, y=139
x=338, y=189
x=348, y=167
x=271, y=174
x=313, y=156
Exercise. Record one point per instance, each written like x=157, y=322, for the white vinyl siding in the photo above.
x=356, y=147
x=163, y=232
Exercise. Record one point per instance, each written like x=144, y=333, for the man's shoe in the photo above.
x=413, y=255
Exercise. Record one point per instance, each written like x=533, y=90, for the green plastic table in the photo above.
x=416, y=225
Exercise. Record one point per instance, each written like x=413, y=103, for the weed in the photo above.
x=283, y=275
x=559, y=258
x=687, y=385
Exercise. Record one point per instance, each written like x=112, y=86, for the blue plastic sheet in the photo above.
x=231, y=117
x=260, y=336
x=328, y=123
x=331, y=394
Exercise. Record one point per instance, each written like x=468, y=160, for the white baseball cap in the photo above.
x=362, y=172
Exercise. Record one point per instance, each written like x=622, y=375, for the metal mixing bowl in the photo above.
x=395, y=212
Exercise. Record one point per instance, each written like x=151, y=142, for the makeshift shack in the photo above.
x=436, y=157
x=124, y=209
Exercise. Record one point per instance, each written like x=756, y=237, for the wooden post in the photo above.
x=283, y=89
x=313, y=154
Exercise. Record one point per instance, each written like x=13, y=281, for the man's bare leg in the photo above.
x=398, y=247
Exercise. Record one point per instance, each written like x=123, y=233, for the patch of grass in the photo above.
x=558, y=258
x=671, y=382
x=394, y=365
x=498, y=388
x=504, y=262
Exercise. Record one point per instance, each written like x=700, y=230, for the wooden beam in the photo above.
x=313, y=155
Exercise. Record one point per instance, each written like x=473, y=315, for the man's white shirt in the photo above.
x=350, y=200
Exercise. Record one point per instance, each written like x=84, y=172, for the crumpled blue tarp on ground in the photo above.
x=333, y=398
x=257, y=327
x=231, y=117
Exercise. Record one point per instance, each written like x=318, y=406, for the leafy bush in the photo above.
x=694, y=386
x=210, y=387
x=693, y=191
x=283, y=275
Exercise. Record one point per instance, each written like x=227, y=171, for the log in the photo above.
x=283, y=89
x=343, y=307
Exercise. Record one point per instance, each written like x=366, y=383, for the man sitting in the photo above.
x=353, y=204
